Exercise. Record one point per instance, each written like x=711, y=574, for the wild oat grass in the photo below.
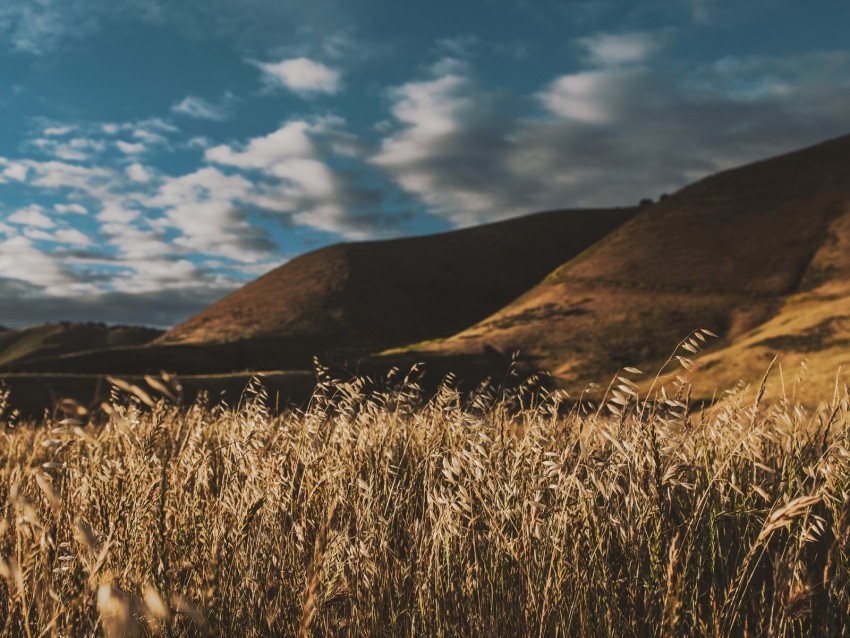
x=375, y=513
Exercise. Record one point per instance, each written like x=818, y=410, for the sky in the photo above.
x=158, y=154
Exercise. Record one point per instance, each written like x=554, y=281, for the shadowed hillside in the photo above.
x=346, y=301
x=727, y=253
x=374, y=293
x=51, y=340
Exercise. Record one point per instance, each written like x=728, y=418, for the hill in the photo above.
x=17, y=347
x=346, y=301
x=368, y=295
x=735, y=253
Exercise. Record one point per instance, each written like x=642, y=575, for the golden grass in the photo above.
x=378, y=513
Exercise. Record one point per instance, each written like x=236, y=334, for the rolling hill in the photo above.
x=366, y=295
x=757, y=254
x=17, y=347
x=346, y=301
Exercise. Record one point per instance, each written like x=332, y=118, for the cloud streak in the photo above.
x=607, y=135
x=201, y=109
x=303, y=76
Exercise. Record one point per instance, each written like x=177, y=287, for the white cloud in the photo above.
x=138, y=173
x=55, y=174
x=430, y=111
x=57, y=130
x=199, y=141
x=115, y=210
x=202, y=109
x=77, y=149
x=33, y=215
x=61, y=236
x=130, y=148
x=152, y=128
x=148, y=275
x=15, y=170
x=76, y=209
x=148, y=136
x=443, y=123
x=291, y=140
x=21, y=261
x=204, y=207
x=301, y=183
x=205, y=184
x=303, y=76
x=595, y=97
x=608, y=49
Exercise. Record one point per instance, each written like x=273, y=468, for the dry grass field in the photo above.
x=384, y=512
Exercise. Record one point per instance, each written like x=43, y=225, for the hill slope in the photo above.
x=346, y=301
x=51, y=340
x=725, y=253
x=375, y=294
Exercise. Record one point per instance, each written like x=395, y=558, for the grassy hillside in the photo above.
x=728, y=253
x=384, y=293
x=344, y=302
x=56, y=339
x=810, y=332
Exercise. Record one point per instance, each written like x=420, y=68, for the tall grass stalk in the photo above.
x=371, y=513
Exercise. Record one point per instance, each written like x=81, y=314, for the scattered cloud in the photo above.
x=75, y=150
x=303, y=76
x=15, y=171
x=65, y=209
x=607, y=135
x=130, y=148
x=300, y=183
x=57, y=130
x=609, y=49
x=59, y=236
x=290, y=140
x=207, y=208
x=21, y=261
x=449, y=145
x=202, y=109
x=597, y=97
x=138, y=173
x=33, y=215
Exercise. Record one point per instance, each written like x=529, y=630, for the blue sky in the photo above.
x=156, y=154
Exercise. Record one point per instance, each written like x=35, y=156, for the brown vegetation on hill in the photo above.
x=727, y=253
x=381, y=293
x=56, y=339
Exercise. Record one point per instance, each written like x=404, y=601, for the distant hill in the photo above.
x=346, y=301
x=17, y=347
x=369, y=295
x=733, y=253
